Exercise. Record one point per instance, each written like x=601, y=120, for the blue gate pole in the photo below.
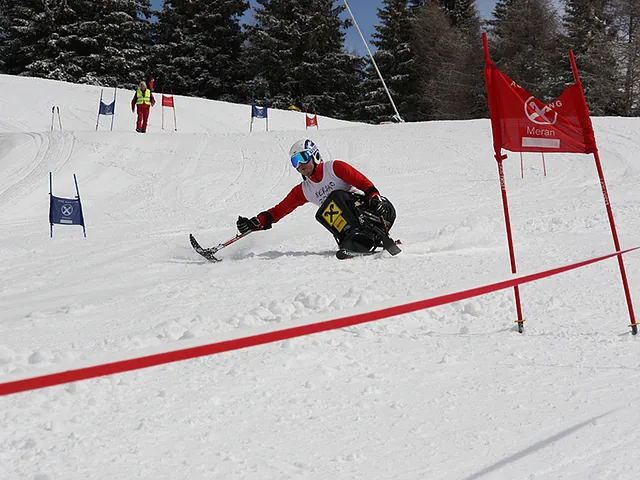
x=80, y=204
x=50, y=190
x=99, y=105
x=113, y=114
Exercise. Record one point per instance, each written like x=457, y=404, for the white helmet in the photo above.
x=303, y=151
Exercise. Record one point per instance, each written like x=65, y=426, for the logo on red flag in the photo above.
x=541, y=116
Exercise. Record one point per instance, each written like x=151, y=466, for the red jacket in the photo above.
x=296, y=197
x=135, y=98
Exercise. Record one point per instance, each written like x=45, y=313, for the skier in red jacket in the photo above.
x=351, y=207
x=143, y=100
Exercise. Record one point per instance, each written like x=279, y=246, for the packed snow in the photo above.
x=452, y=392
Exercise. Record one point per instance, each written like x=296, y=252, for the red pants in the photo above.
x=143, y=117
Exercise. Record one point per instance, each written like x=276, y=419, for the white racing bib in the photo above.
x=317, y=193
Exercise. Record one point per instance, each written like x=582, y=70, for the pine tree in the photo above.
x=172, y=45
x=394, y=57
x=591, y=34
x=461, y=13
x=464, y=17
x=199, y=46
x=527, y=51
x=81, y=41
x=627, y=20
x=26, y=28
x=441, y=53
x=6, y=15
x=295, y=55
x=499, y=14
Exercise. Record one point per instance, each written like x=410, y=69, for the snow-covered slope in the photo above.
x=448, y=393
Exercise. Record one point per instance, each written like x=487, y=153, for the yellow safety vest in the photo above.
x=143, y=98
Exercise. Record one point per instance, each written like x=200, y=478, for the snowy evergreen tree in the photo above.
x=5, y=24
x=81, y=41
x=395, y=59
x=295, y=56
x=105, y=42
x=26, y=27
x=461, y=12
x=172, y=45
x=499, y=13
x=199, y=46
x=591, y=34
x=524, y=43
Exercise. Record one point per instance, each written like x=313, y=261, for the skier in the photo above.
x=143, y=99
x=351, y=207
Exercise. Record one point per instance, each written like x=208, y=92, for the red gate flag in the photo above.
x=522, y=123
x=311, y=121
x=167, y=101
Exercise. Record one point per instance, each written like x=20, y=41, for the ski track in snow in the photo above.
x=453, y=392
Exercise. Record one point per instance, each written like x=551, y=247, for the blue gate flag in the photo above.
x=65, y=211
x=259, y=112
x=107, y=109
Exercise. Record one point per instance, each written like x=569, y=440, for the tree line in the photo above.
x=293, y=51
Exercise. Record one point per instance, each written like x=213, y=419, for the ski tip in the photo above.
x=206, y=253
x=193, y=241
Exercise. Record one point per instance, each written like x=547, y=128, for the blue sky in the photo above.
x=366, y=14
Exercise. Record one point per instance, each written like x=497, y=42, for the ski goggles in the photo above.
x=301, y=157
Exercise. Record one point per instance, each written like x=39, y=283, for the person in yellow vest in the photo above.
x=143, y=100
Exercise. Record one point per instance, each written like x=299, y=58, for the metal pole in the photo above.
x=374, y=63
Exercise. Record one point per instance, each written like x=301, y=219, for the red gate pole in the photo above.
x=607, y=203
x=616, y=242
x=512, y=255
x=175, y=122
x=162, y=106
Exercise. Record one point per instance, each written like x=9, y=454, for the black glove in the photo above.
x=245, y=224
x=377, y=206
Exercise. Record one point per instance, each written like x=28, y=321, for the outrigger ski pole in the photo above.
x=209, y=253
